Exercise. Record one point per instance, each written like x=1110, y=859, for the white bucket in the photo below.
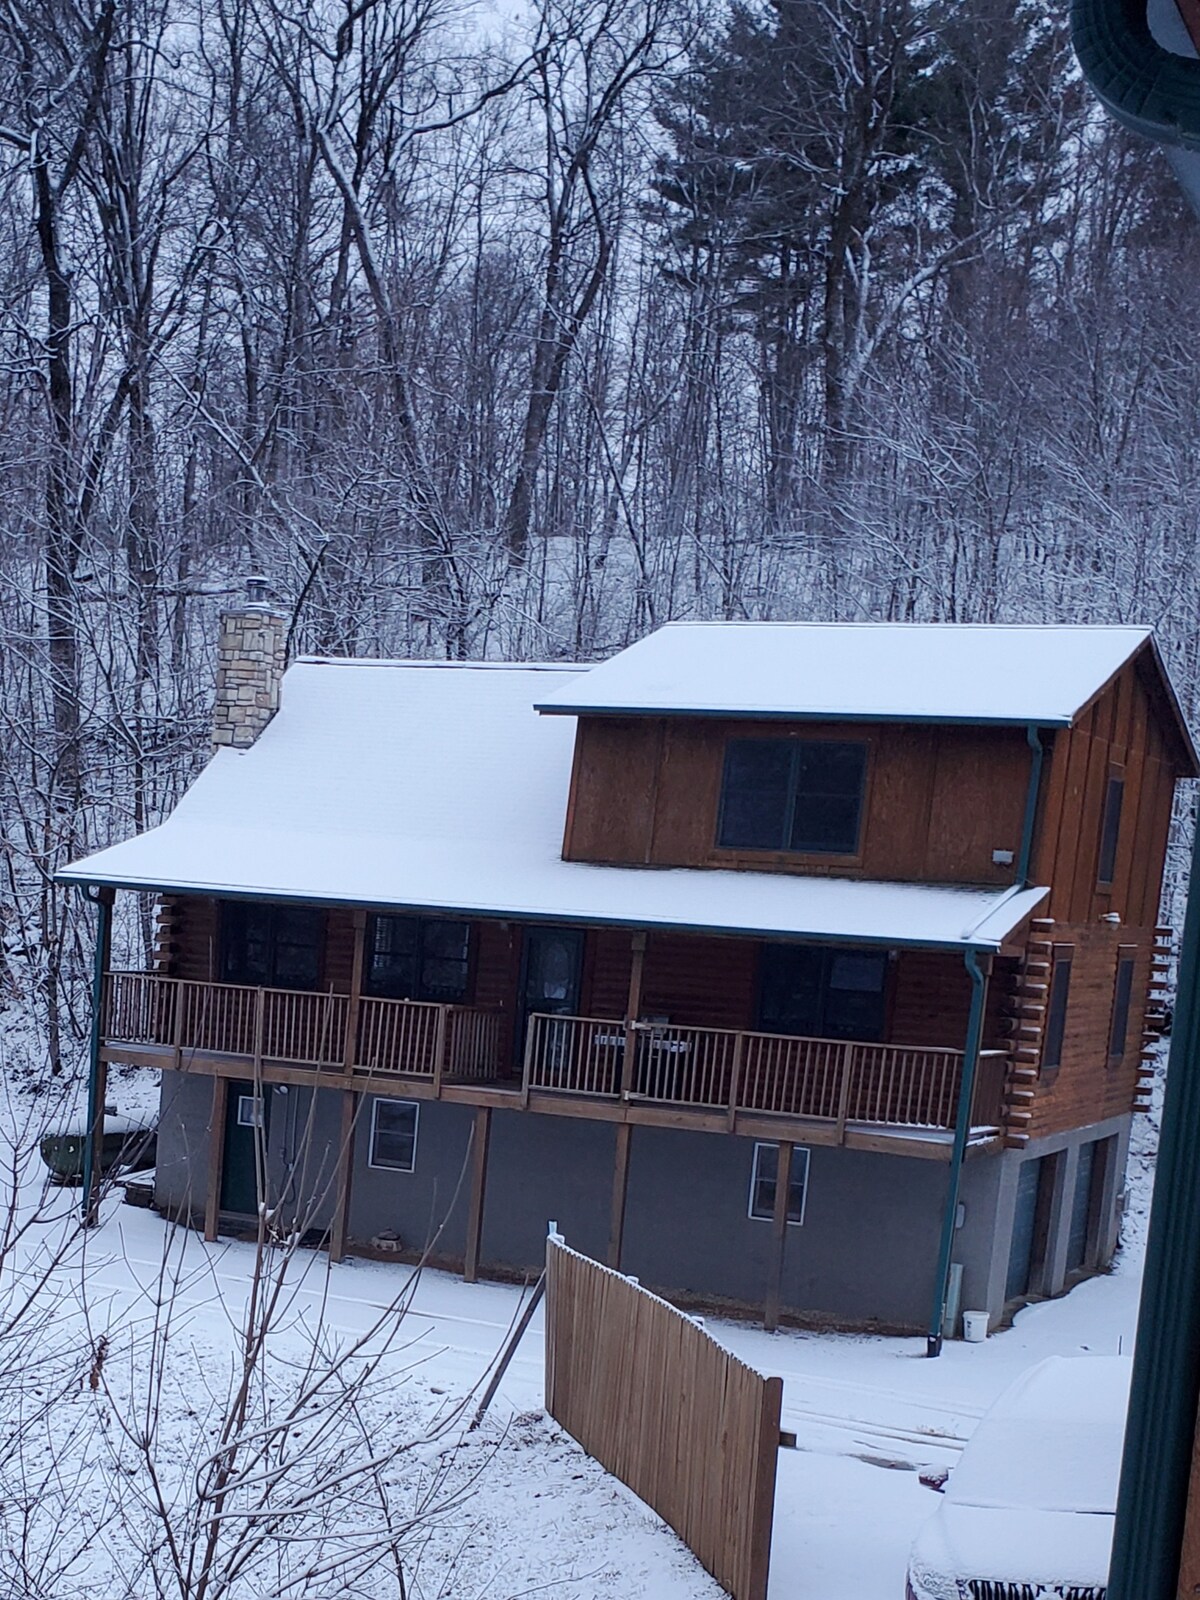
x=975, y=1326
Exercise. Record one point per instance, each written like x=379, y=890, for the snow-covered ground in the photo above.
x=868, y=1413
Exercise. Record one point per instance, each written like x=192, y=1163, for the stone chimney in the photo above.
x=250, y=662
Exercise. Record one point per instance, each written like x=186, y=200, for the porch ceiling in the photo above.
x=438, y=788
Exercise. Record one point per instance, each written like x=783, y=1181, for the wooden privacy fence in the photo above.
x=691, y=1429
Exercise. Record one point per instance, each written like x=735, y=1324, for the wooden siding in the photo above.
x=931, y=1000
x=938, y=801
x=1120, y=735
x=1086, y=1088
x=690, y=980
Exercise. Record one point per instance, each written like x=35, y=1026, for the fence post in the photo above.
x=762, y=1505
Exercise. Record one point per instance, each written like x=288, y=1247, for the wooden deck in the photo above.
x=863, y=1094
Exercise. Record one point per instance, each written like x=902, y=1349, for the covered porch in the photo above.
x=629, y=1067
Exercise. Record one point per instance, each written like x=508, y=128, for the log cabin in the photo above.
x=811, y=969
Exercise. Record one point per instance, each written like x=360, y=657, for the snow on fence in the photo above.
x=691, y=1429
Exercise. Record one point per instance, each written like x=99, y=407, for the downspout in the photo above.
x=1025, y=859
x=1156, y=1470
x=102, y=899
x=962, y=1130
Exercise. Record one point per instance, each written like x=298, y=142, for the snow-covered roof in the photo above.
x=909, y=672
x=430, y=786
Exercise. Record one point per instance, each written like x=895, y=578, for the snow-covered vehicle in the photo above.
x=1028, y=1510
x=128, y=1146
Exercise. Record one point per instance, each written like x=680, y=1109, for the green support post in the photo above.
x=102, y=899
x=1156, y=1470
x=962, y=1130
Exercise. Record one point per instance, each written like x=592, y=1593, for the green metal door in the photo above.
x=247, y=1117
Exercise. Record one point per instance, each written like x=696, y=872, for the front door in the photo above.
x=247, y=1118
x=550, y=976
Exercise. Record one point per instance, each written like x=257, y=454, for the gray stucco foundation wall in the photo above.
x=865, y=1251
x=184, y=1112
x=547, y=1169
x=302, y=1149
x=414, y=1205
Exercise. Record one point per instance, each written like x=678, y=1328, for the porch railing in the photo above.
x=821, y=1080
x=413, y=1038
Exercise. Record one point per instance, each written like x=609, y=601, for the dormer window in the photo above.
x=803, y=795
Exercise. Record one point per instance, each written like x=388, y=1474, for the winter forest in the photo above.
x=518, y=337
x=508, y=334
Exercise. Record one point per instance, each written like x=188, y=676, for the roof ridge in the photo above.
x=417, y=661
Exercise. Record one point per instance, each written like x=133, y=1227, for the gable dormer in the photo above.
x=895, y=752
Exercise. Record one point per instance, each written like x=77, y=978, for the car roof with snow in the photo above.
x=1032, y=1499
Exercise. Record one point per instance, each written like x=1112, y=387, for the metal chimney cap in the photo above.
x=257, y=591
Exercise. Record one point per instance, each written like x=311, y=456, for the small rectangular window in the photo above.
x=1056, y=1010
x=249, y=1111
x=763, y=1184
x=394, y=1135
x=1122, y=994
x=802, y=795
x=1110, y=830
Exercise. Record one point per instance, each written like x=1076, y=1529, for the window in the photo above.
x=249, y=1111
x=1122, y=994
x=1056, y=1010
x=418, y=958
x=272, y=946
x=792, y=794
x=1110, y=830
x=822, y=992
x=762, y=1183
x=394, y=1135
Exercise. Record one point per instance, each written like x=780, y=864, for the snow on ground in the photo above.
x=868, y=1412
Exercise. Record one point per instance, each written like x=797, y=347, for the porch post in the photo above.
x=783, y=1183
x=962, y=1129
x=480, y=1138
x=632, y=1006
x=620, y=1188
x=216, y=1156
x=102, y=898
x=345, y=1155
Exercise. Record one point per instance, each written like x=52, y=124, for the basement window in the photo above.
x=802, y=795
x=763, y=1183
x=394, y=1135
